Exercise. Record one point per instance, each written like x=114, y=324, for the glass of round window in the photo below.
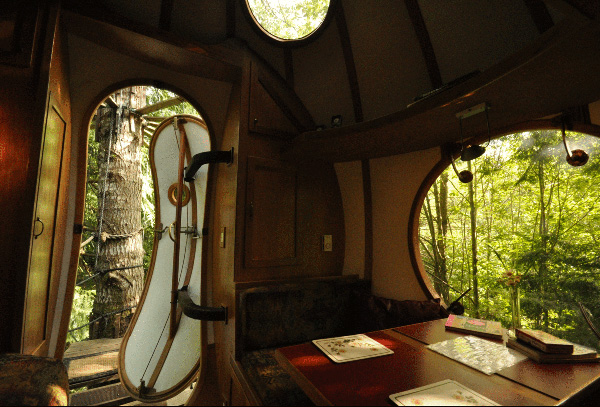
x=289, y=20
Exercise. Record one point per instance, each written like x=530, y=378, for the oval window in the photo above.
x=288, y=20
x=523, y=236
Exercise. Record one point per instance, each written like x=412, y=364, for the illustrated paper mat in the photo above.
x=352, y=347
x=444, y=393
x=483, y=355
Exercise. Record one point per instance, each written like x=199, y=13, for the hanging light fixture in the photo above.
x=464, y=176
x=576, y=158
x=474, y=151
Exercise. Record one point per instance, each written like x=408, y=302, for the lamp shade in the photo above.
x=472, y=152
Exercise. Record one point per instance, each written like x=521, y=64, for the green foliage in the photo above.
x=289, y=19
x=83, y=300
x=537, y=216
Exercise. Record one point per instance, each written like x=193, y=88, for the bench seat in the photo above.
x=275, y=316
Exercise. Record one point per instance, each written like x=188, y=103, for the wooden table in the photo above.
x=371, y=381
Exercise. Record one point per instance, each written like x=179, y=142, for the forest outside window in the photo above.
x=289, y=20
x=524, y=235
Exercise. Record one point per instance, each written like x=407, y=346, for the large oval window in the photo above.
x=288, y=20
x=524, y=235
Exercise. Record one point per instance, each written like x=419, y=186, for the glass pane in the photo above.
x=289, y=19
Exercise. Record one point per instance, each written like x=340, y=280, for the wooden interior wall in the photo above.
x=23, y=91
x=304, y=206
x=291, y=246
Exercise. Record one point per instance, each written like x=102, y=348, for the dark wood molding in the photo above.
x=288, y=60
x=230, y=18
x=368, y=208
x=340, y=18
x=539, y=14
x=433, y=69
x=150, y=45
x=166, y=11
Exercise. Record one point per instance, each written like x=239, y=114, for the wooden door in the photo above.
x=271, y=214
x=41, y=277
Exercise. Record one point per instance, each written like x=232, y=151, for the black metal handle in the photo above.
x=195, y=311
x=36, y=235
x=206, y=158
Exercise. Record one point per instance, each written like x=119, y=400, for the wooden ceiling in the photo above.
x=536, y=59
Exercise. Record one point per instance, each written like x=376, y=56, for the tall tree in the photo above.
x=120, y=253
x=473, y=218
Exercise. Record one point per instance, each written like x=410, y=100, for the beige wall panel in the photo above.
x=475, y=34
x=389, y=63
x=95, y=68
x=321, y=80
x=350, y=179
x=395, y=181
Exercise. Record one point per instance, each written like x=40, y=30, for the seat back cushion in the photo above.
x=294, y=313
x=375, y=313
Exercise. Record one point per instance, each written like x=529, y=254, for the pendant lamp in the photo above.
x=472, y=152
x=576, y=158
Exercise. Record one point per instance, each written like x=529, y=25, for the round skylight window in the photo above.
x=288, y=20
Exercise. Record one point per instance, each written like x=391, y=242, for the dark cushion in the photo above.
x=32, y=381
x=288, y=314
x=377, y=313
x=272, y=384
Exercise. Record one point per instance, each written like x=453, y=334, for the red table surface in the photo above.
x=371, y=381
x=556, y=380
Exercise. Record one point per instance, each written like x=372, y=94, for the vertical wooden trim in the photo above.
x=368, y=207
x=166, y=11
x=230, y=18
x=539, y=14
x=288, y=59
x=414, y=11
x=350, y=66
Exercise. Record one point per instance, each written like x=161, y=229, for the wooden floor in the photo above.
x=93, y=364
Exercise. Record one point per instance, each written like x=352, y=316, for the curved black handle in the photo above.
x=36, y=235
x=195, y=311
x=206, y=158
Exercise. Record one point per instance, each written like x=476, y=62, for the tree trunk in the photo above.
x=543, y=230
x=119, y=251
x=443, y=234
x=473, y=216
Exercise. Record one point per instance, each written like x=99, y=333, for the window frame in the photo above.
x=282, y=42
x=445, y=161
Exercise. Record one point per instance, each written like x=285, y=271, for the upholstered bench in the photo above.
x=32, y=381
x=270, y=317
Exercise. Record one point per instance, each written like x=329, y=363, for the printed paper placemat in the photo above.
x=444, y=393
x=486, y=356
x=352, y=347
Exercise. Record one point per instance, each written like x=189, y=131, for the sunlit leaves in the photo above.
x=520, y=177
x=289, y=19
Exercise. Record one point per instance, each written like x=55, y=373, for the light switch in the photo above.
x=222, y=237
x=327, y=243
